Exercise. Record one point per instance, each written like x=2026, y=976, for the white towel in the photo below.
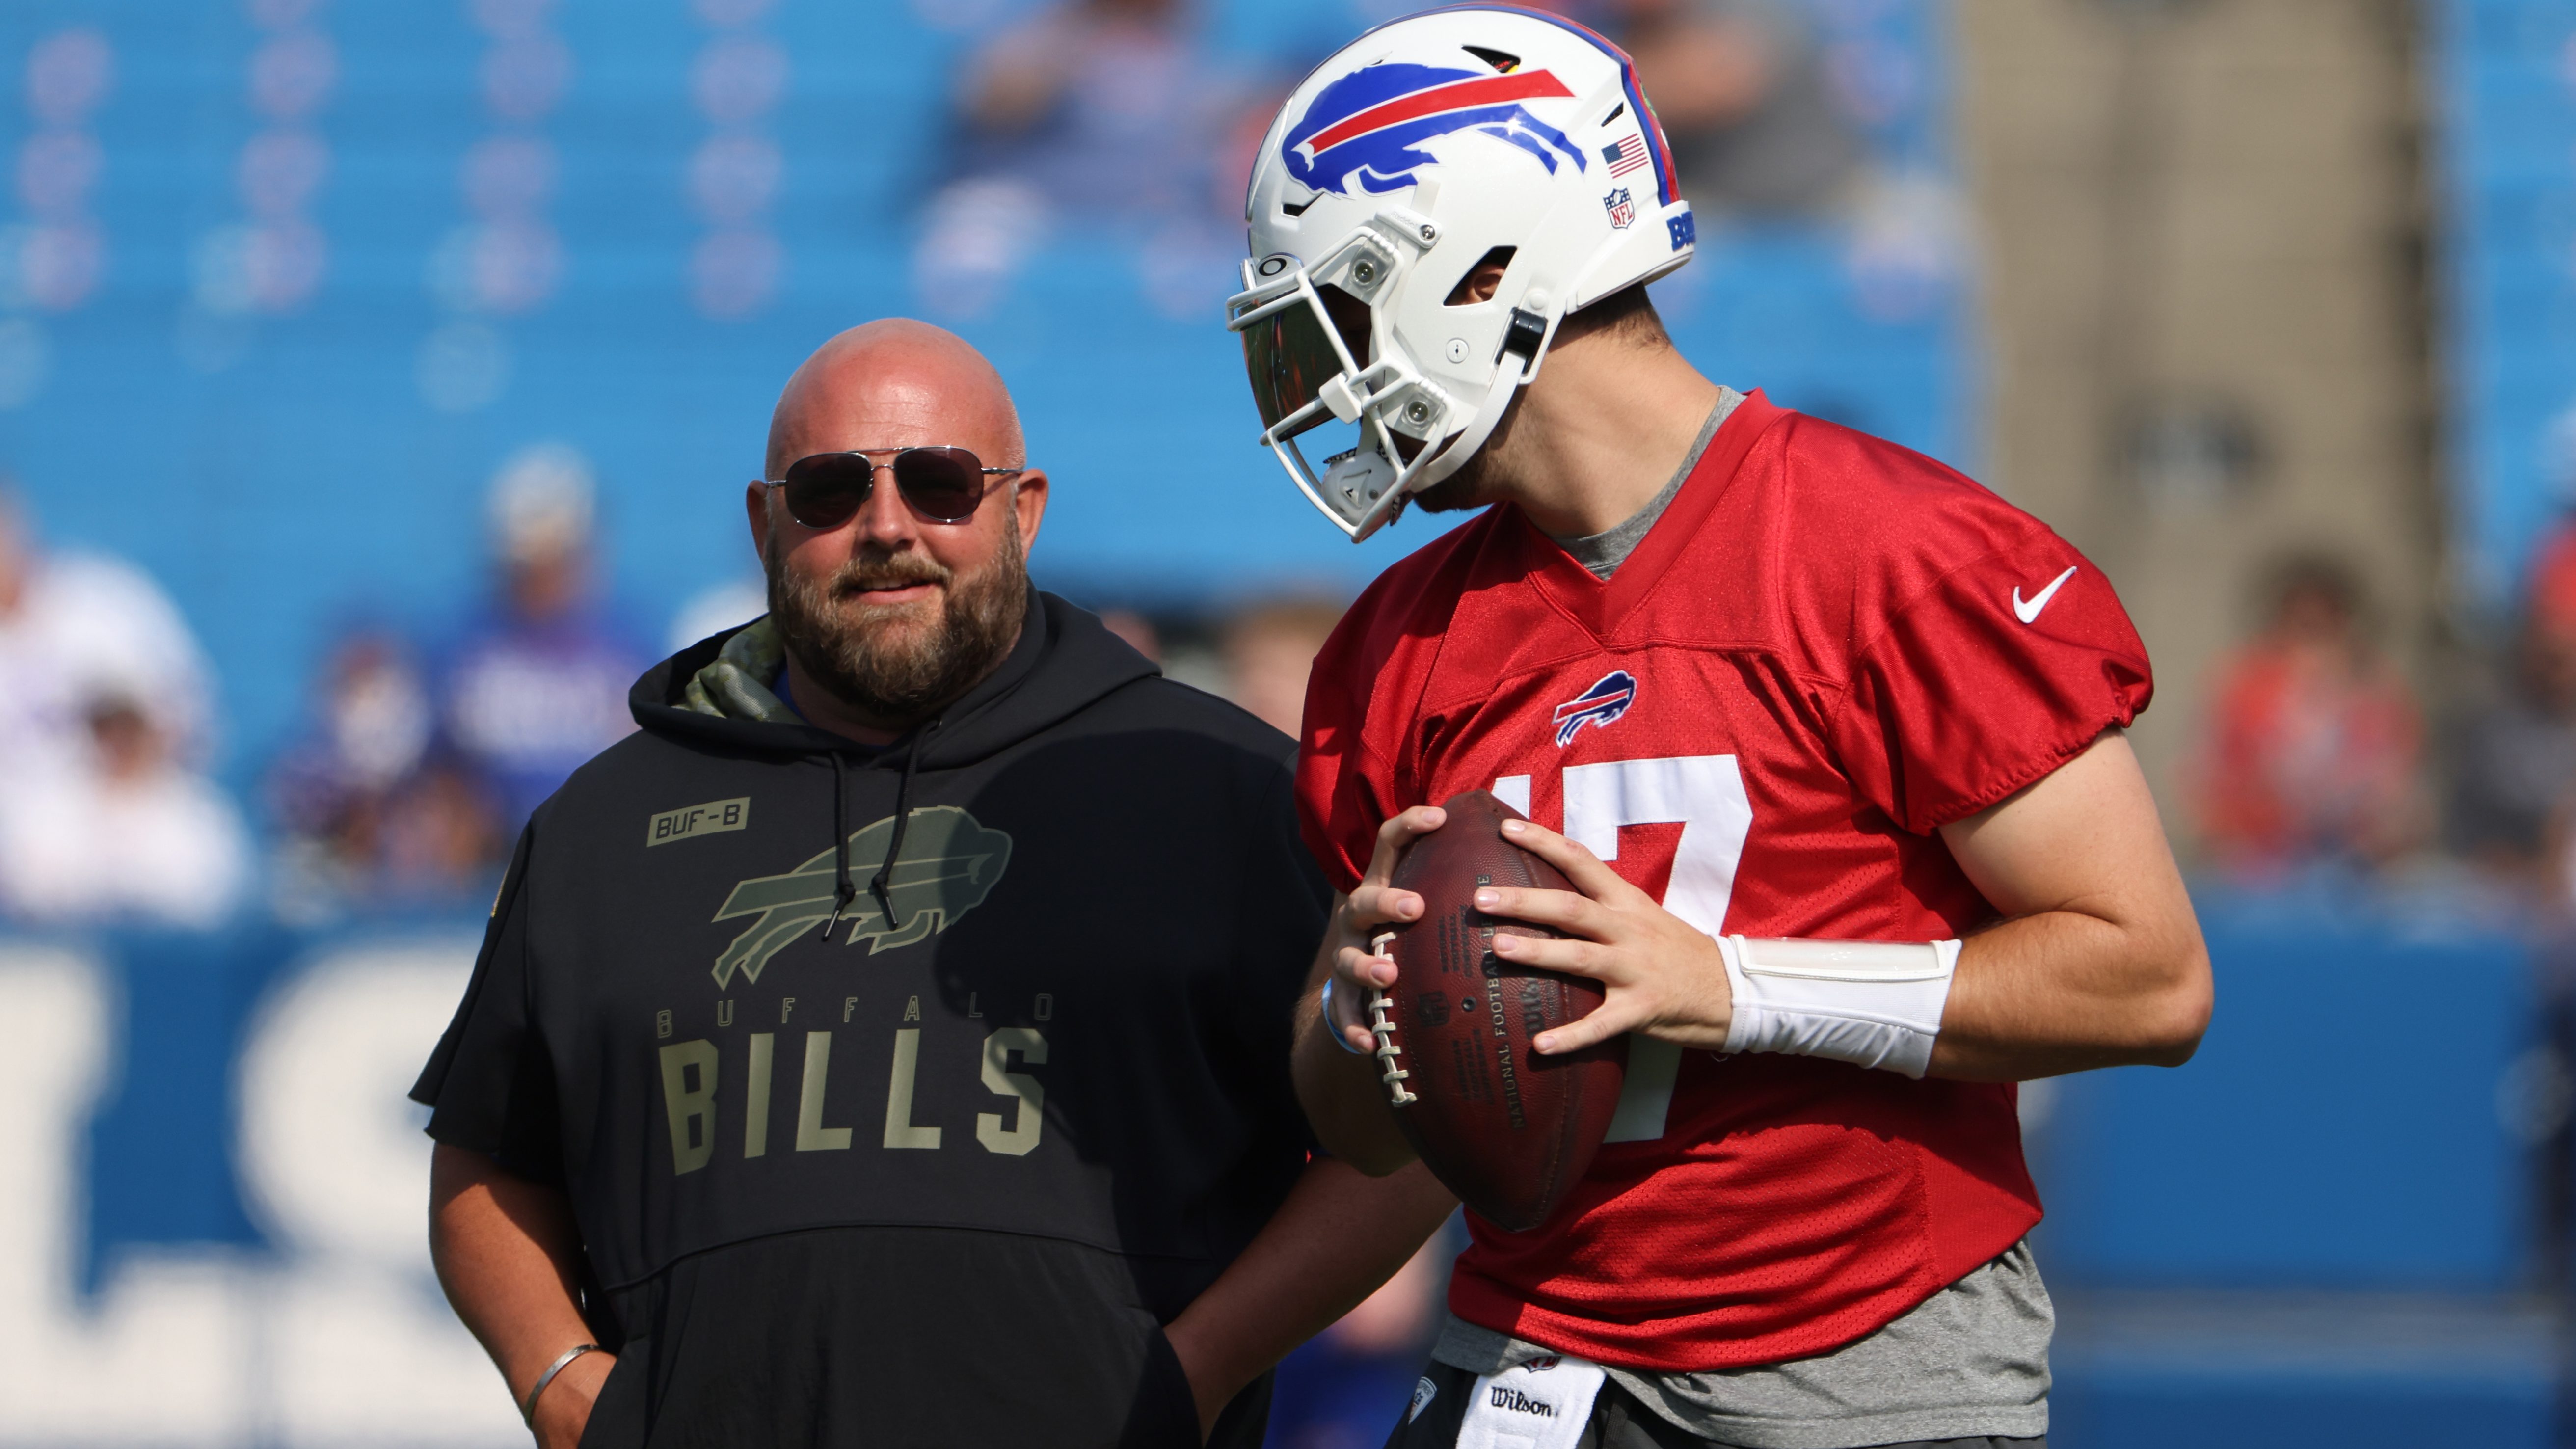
x=1542, y=1404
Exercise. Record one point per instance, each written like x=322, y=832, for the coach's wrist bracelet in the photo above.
x=528, y=1410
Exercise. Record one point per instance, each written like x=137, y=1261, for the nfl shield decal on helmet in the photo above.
x=1622, y=208
x=1601, y=705
x=1364, y=132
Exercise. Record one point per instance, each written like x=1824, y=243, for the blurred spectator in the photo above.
x=74, y=627
x=716, y=608
x=1136, y=629
x=1742, y=93
x=2314, y=741
x=2553, y=577
x=1270, y=650
x=1342, y=1390
x=1096, y=105
x=125, y=835
x=1094, y=112
x=539, y=686
x=2515, y=771
x=367, y=807
x=441, y=835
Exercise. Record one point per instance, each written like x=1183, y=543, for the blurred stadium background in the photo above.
x=377, y=384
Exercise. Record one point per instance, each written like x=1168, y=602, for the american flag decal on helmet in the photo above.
x=1601, y=705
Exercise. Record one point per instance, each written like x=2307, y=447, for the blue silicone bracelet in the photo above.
x=1335, y=1027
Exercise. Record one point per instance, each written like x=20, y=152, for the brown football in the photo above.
x=1506, y=1129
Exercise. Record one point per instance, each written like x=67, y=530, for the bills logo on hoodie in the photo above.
x=1602, y=704
x=1364, y=132
x=951, y=862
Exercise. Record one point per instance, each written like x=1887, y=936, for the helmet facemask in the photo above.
x=1304, y=375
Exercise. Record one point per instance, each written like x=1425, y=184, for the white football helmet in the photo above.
x=1401, y=163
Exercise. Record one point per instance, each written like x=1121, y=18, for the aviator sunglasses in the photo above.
x=941, y=485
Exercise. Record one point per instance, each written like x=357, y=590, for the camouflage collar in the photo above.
x=736, y=684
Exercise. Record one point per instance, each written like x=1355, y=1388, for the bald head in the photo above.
x=889, y=614
x=895, y=383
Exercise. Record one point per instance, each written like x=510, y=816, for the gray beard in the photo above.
x=899, y=678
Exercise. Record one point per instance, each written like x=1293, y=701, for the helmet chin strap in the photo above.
x=1472, y=438
x=1462, y=445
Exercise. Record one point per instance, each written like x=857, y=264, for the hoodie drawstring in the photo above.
x=843, y=891
x=882, y=886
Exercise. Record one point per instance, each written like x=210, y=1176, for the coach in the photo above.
x=888, y=1043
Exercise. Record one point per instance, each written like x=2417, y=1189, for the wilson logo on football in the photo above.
x=1601, y=705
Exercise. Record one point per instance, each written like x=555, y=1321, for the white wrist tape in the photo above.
x=1870, y=1003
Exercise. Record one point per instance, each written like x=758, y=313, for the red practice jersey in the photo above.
x=1827, y=647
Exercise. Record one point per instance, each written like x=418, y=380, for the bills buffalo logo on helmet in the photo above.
x=1368, y=127
x=1601, y=705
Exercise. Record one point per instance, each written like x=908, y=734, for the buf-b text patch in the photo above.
x=690, y=821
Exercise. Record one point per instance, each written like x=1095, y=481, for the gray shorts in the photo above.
x=1618, y=1421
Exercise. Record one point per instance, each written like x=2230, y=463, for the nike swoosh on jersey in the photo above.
x=2029, y=613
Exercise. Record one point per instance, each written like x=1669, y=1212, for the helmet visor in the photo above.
x=1289, y=356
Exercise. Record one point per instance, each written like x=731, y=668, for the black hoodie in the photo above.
x=939, y=1179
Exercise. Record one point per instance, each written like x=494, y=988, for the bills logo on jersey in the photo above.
x=1622, y=208
x=1601, y=705
x=1364, y=132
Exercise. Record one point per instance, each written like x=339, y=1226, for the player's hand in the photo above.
x=1373, y=906
x=1665, y=978
x=563, y=1410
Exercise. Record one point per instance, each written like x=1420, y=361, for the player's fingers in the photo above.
x=1372, y=906
x=1362, y=969
x=1609, y=1019
x=1346, y=1024
x=1582, y=958
x=1401, y=830
x=1562, y=909
x=1581, y=866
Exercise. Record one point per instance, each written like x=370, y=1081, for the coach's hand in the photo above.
x=1665, y=978
x=1374, y=905
x=563, y=1410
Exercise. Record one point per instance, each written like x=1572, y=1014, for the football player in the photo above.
x=1828, y=737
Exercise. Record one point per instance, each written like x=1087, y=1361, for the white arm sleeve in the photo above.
x=1870, y=1003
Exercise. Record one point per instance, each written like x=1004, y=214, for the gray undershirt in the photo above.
x=1970, y=1360
x=1603, y=552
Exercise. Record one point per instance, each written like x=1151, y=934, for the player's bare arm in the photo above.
x=1339, y=1236
x=2098, y=962
x=506, y=1251
x=1337, y=1087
